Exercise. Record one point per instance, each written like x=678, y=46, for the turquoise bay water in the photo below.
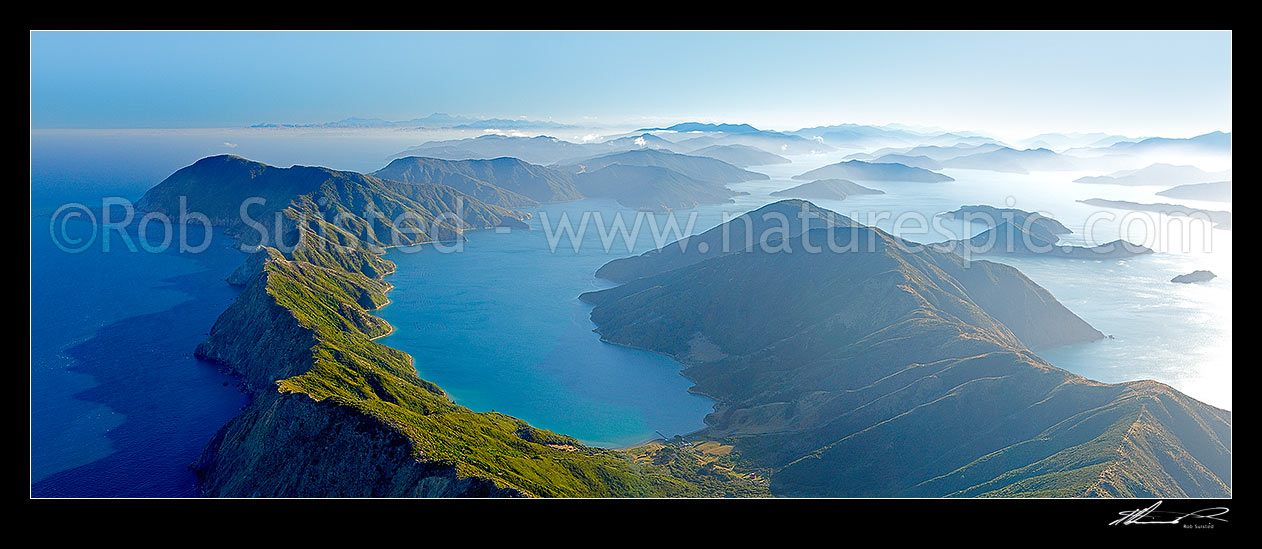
x=499, y=326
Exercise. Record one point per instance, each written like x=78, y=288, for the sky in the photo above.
x=1013, y=84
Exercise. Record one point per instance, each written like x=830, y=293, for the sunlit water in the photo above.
x=1179, y=334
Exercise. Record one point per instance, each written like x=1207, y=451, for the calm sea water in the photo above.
x=119, y=407
x=1179, y=334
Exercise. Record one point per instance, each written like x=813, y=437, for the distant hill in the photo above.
x=1156, y=174
x=935, y=152
x=1063, y=141
x=1011, y=238
x=541, y=150
x=1213, y=143
x=686, y=127
x=921, y=161
x=828, y=189
x=1007, y=159
x=630, y=142
x=742, y=134
x=772, y=142
x=1218, y=191
x=740, y=155
x=858, y=170
x=696, y=167
x=877, y=368
x=781, y=219
x=518, y=178
x=891, y=135
x=1044, y=227
x=1220, y=219
x=650, y=188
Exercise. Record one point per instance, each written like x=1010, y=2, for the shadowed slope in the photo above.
x=883, y=368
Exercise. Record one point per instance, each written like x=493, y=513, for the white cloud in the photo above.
x=513, y=133
x=230, y=145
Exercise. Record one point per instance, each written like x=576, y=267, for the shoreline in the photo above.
x=682, y=366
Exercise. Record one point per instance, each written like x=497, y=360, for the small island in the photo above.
x=1194, y=276
x=828, y=189
x=869, y=171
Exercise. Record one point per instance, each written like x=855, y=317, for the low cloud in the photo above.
x=512, y=133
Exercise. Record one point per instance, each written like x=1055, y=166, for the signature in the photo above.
x=1150, y=515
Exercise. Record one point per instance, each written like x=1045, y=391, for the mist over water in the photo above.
x=1178, y=334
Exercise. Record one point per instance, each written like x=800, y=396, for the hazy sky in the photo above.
x=1013, y=84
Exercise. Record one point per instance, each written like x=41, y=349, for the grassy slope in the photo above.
x=351, y=370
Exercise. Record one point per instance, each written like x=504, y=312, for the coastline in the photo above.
x=680, y=370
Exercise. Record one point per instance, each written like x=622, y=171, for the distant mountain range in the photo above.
x=643, y=179
x=1213, y=143
x=687, y=127
x=536, y=150
x=1157, y=174
x=1007, y=159
x=547, y=150
x=858, y=135
x=1063, y=141
x=935, y=152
